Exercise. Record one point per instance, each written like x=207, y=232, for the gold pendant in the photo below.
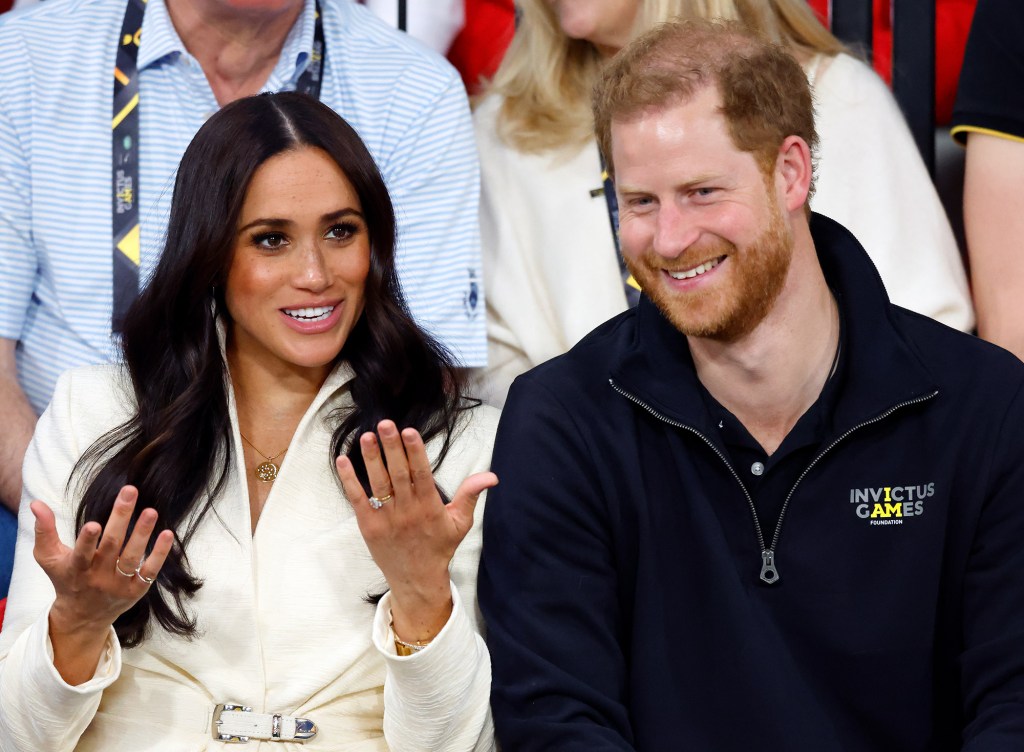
x=266, y=472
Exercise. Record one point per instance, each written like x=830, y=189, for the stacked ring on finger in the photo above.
x=117, y=566
x=377, y=503
x=141, y=576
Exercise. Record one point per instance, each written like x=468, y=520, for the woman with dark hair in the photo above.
x=267, y=368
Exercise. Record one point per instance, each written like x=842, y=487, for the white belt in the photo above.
x=237, y=724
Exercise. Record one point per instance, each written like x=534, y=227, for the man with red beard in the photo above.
x=766, y=509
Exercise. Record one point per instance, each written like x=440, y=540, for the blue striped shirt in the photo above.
x=56, y=65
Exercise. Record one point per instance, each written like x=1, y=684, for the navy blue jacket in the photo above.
x=621, y=573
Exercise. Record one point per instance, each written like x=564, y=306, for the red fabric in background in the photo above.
x=479, y=47
x=952, y=24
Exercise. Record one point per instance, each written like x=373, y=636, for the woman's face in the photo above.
x=300, y=259
x=606, y=24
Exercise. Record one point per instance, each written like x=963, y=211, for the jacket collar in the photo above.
x=882, y=368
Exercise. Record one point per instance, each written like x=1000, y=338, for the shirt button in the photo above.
x=757, y=468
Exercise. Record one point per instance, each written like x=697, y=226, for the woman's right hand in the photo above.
x=97, y=580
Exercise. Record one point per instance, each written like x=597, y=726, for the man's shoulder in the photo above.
x=45, y=23
x=96, y=397
x=367, y=44
x=581, y=375
x=48, y=44
x=959, y=361
x=94, y=383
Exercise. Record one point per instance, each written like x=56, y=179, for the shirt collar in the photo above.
x=160, y=40
x=295, y=54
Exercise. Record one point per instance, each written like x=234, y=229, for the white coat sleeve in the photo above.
x=440, y=697
x=39, y=711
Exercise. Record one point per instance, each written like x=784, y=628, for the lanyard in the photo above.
x=630, y=285
x=125, y=151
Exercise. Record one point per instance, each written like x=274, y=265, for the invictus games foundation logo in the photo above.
x=890, y=505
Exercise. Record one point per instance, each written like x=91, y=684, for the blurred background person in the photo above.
x=472, y=34
x=271, y=349
x=550, y=258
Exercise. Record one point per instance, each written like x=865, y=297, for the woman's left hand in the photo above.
x=411, y=533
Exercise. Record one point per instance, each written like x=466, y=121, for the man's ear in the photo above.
x=793, y=172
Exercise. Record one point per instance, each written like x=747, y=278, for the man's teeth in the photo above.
x=705, y=267
x=319, y=313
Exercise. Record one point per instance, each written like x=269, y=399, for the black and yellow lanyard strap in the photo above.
x=632, y=289
x=125, y=151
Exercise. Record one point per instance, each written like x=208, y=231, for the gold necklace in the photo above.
x=266, y=472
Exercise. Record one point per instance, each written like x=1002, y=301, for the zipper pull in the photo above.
x=769, y=573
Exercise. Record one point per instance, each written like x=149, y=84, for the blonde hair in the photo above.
x=546, y=78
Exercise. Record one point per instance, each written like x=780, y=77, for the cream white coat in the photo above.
x=283, y=621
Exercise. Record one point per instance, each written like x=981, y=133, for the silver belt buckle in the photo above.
x=305, y=729
x=217, y=723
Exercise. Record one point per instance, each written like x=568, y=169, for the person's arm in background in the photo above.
x=989, y=118
x=18, y=259
x=19, y=423
x=994, y=225
x=433, y=175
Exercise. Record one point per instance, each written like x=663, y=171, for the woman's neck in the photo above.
x=268, y=393
x=270, y=400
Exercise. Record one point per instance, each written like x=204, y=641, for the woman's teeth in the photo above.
x=319, y=313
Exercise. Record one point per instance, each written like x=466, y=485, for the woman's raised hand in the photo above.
x=97, y=580
x=410, y=532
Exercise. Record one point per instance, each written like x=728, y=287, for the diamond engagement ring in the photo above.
x=377, y=503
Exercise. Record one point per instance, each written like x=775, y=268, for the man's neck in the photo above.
x=770, y=377
x=237, y=48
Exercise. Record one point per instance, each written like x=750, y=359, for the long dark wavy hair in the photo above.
x=177, y=447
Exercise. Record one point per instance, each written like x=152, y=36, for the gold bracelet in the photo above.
x=404, y=648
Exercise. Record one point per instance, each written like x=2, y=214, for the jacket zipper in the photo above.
x=769, y=572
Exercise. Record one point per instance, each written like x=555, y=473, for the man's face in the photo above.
x=700, y=224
